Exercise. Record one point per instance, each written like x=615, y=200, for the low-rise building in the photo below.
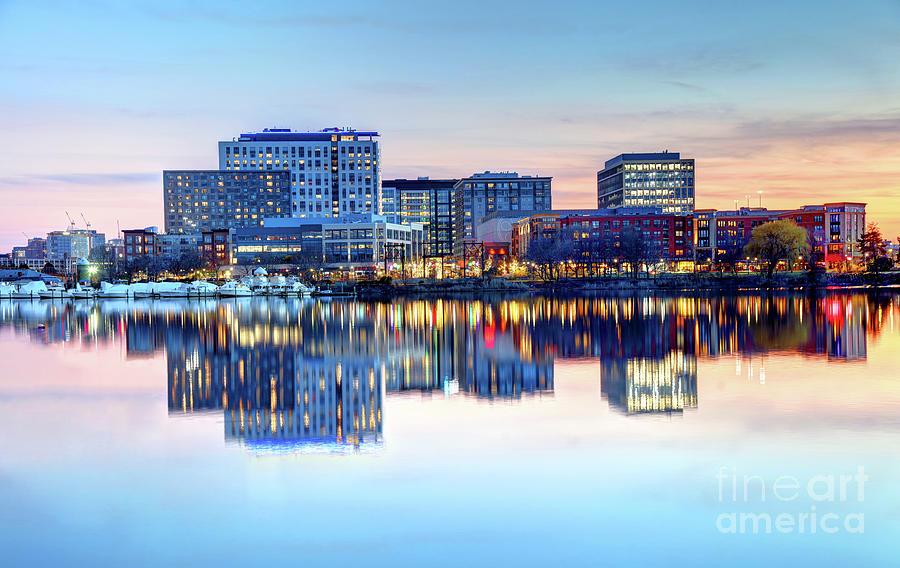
x=141, y=242
x=667, y=236
x=833, y=229
x=215, y=247
x=179, y=244
x=363, y=242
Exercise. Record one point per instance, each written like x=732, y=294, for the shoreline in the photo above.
x=676, y=283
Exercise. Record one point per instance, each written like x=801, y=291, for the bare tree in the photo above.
x=636, y=248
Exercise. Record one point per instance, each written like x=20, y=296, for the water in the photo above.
x=594, y=431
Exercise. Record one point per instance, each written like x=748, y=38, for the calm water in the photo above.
x=542, y=432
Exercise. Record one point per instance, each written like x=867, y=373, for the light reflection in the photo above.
x=314, y=374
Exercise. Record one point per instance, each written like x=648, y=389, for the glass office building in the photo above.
x=663, y=180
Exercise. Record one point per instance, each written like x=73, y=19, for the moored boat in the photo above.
x=234, y=289
x=80, y=292
x=54, y=292
x=6, y=290
x=202, y=289
x=30, y=290
x=118, y=289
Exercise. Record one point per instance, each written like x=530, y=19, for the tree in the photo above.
x=105, y=259
x=776, y=241
x=48, y=268
x=871, y=245
x=732, y=252
x=637, y=248
x=547, y=253
x=187, y=262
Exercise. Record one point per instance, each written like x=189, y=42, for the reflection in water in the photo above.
x=645, y=384
x=301, y=375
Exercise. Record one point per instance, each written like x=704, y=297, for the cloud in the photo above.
x=85, y=178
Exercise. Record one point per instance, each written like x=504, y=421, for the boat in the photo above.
x=142, y=289
x=118, y=289
x=297, y=288
x=30, y=290
x=54, y=292
x=260, y=282
x=6, y=290
x=278, y=286
x=82, y=293
x=171, y=289
x=234, y=289
x=202, y=289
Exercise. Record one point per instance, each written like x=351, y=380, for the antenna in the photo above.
x=71, y=222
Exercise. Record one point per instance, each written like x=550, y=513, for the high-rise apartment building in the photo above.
x=332, y=172
x=202, y=200
x=426, y=201
x=663, y=180
x=482, y=194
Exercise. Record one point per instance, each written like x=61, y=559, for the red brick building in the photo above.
x=141, y=242
x=671, y=235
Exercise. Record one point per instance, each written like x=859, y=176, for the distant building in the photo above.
x=481, y=194
x=426, y=201
x=37, y=248
x=663, y=180
x=199, y=200
x=333, y=172
x=73, y=243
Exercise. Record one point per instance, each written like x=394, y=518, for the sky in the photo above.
x=798, y=99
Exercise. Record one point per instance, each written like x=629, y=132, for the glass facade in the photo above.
x=661, y=180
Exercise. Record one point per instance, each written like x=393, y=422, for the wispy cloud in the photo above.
x=95, y=179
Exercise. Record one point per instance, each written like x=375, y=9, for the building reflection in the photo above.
x=638, y=385
x=301, y=375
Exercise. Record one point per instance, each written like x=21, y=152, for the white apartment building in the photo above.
x=334, y=172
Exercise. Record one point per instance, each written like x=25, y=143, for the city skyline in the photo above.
x=452, y=94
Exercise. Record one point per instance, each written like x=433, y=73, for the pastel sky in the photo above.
x=798, y=99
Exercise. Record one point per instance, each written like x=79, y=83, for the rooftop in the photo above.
x=645, y=157
x=288, y=135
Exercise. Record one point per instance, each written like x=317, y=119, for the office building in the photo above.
x=425, y=201
x=200, y=200
x=663, y=180
x=73, y=243
x=481, y=194
x=333, y=172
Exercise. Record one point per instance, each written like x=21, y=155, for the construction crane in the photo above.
x=86, y=222
x=71, y=222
